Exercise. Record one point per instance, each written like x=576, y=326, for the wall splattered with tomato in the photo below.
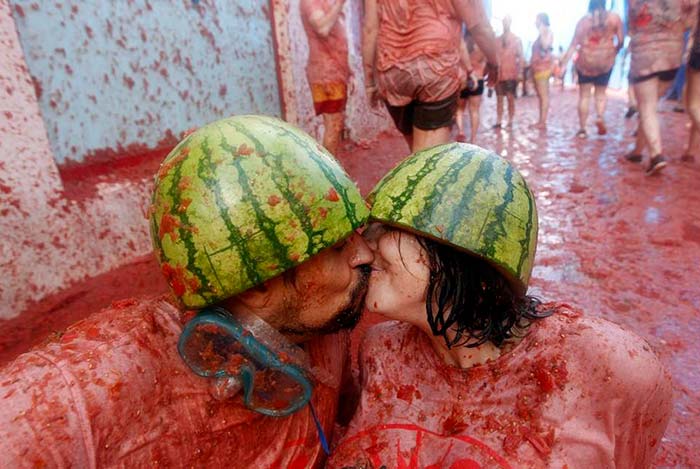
x=118, y=77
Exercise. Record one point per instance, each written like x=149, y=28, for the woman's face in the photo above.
x=400, y=274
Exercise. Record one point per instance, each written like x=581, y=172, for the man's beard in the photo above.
x=346, y=318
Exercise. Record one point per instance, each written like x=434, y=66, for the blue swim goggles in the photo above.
x=245, y=352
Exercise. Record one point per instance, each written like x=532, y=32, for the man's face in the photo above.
x=327, y=292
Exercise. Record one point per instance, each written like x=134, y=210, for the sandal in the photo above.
x=656, y=164
x=581, y=134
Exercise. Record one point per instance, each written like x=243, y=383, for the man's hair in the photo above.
x=470, y=299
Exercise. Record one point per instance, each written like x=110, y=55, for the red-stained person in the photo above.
x=656, y=42
x=597, y=40
x=474, y=65
x=411, y=57
x=249, y=215
x=327, y=69
x=542, y=64
x=471, y=371
x=511, y=61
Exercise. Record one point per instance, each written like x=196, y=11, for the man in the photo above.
x=327, y=69
x=656, y=31
x=411, y=58
x=251, y=215
x=511, y=62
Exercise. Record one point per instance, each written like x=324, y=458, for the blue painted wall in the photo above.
x=122, y=76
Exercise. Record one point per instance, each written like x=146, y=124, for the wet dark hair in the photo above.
x=594, y=5
x=474, y=301
x=544, y=18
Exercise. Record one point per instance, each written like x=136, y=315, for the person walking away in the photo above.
x=598, y=39
x=542, y=63
x=511, y=63
x=327, y=69
x=470, y=95
x=656, y=43
x=411, y=58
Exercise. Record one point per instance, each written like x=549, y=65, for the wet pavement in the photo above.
x=612, y=241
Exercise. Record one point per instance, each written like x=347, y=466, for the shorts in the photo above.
x=466, y=92
x=542, y=75
x=664, y=75
x=506, y=87
x=694, y=60
x=597, y=80
x=424, y=116
x=329, y=98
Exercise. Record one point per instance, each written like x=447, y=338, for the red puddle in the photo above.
x=613, y=242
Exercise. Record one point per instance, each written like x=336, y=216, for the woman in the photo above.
x=598, y=38
x=474, y=63
x=541, y=63
x=473, y=372
x=656, y=32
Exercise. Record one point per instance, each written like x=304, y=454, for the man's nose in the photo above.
x=358, y=250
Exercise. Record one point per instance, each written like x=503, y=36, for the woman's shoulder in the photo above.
x=595, y=345
x=387, y=334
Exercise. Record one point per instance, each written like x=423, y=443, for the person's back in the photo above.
x=408, y=30
x=112, y=391
x=596, y=33
x=656, y=31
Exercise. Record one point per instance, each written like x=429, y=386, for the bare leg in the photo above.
x=333, y=131
x=600, y=102
x=511, y=108
x=692, y=105
x=499, y=108
x=474, y=105
x=542, y=88
x=647, y=93
x=584, y=98
x=429, y=138
x=459, y=117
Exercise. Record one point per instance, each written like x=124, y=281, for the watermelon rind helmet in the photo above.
x=467, y=197
x=242, y=200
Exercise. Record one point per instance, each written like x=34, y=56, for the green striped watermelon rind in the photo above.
x=467, y=197
x=242, y=200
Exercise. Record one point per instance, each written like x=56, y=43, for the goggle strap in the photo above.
x=319, y=430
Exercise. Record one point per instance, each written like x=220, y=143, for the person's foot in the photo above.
x=461, y=138
x=602, y=130
x=687, y=158
x=679, y=109
x=633, y=157
x=539, y=125
x=581, y=134
x=496, y=126
x=656, y=164
x=630, y=112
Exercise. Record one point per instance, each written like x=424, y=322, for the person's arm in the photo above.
x=464, y=55
x=472, y=13
x=370, y=29
x=620, y=34
x=322, y=22
x=569, y=52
